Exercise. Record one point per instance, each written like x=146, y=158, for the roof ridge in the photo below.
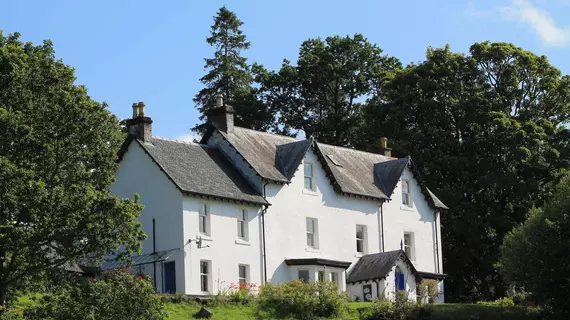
x=269, y=133
x=181, y=141
x=352, y=149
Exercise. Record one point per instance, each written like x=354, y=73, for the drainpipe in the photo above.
x=154, y=252
x=263, y=211
x=436, y=243
x=382, y=225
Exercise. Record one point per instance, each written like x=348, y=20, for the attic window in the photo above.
x=333, y=160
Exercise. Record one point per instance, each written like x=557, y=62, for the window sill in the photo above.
x=310, y=192
x=407, y=208
x=315, y=250
x=206, y=237
x=243, y=242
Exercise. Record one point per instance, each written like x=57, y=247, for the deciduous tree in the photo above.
x=58, y=151
x=486, y=132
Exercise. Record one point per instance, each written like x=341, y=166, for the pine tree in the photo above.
x=230, y=75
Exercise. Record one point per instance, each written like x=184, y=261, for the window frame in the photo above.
x=406, y=193
x=242, y=224
x=314, y=233
x=311, y=177
x=337, y=280
x=246, y=274
x=204, y=217
x=206, y=275
x=362, y=240
x=410, y=245
x=320, y=275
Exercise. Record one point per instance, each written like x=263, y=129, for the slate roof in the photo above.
x=201, y=170
x=377, y=266
x=352, y=172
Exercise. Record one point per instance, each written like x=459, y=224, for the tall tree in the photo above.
x=322, y=94
x=57, y=159
x=487, y=133
x=230, y=75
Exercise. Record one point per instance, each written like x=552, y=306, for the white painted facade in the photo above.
x=337, y=216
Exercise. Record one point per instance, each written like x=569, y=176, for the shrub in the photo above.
x=403, y=310
x=119, y=295
x=501, y=302
x=428, y=290
x=300, y=300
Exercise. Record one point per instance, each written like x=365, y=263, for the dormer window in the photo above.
x=309, y=178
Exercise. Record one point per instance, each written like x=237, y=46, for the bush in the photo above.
x=501, y=302
x=118, y=295
x=428, y=290
x=384, y=310
x=534, y=255
x=300, y=300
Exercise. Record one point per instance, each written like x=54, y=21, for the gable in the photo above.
x=199, y=170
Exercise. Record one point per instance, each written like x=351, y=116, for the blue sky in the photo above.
x=152, y=51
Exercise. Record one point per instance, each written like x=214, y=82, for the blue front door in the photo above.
x=169, y=277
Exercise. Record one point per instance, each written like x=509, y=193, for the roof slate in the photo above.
x=376, y=266
x=201, y=170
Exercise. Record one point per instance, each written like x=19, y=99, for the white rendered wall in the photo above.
x=418, y=219
x=356, y=290
x=409, y=278
x=337, y=219
x=225, y=252
x=162, y=201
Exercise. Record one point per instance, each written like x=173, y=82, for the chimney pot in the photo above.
x=384, y=150
x=140, y=126
x=219, y=100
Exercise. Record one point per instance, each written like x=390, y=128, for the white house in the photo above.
x=249, y=206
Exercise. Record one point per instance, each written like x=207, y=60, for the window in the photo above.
x=242, y=224
x=205, y=275
x=360, y=239
x=408, y=244
x=304, y=275
x=242, y=275
x=335, y=278
x=312, y=233
x=321, y=276
x=204, y=219
x=309, y=183
x=406, y=196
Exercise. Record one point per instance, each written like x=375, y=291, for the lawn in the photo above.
x=449, y=311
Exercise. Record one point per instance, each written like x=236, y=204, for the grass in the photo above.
x=448, y=311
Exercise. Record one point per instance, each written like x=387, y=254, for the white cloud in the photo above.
x=539, y=20
x=189, y=137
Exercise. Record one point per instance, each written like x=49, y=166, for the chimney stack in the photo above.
x=140, y=126
x=384, y=150
x=222, y=116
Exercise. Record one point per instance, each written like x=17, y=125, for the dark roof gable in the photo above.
x=199, y=170
x=377, y=266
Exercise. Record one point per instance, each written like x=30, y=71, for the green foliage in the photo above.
x=384, y=310
x=428, y=290
x=300, y=300
x=534, y=256
x=321, y=95
x=486, y=133
x=119, y=295
x=502, y=302
x=231, y=76
x=57, y=159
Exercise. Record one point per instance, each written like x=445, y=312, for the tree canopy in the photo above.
x=323, y=93
x=57, y=159
x=230, y=75
x=486, y=131
x=535, y=255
